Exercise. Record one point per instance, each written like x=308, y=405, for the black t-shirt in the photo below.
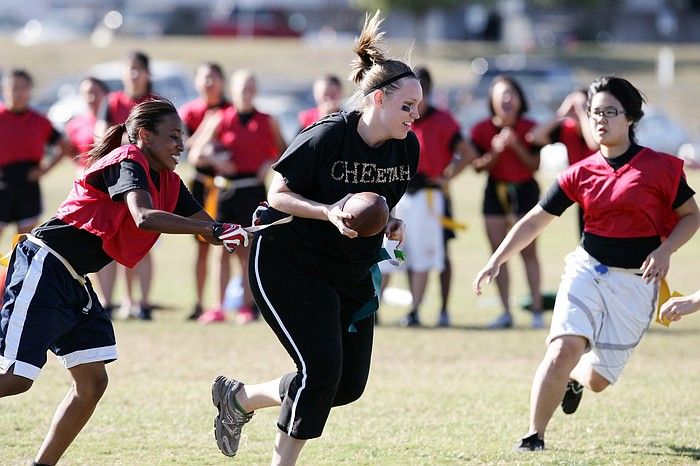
x=325, y=162
x=628, y=253
x=82, y=249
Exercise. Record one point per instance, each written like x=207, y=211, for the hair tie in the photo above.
x=386, y=82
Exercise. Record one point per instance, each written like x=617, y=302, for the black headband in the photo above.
x=391, y=80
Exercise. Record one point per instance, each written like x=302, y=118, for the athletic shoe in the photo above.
x=245, y=315
x=145, y=312
x=212, y=315
x=537, y=320
x=196, y=312
x=444, y=319
x=231, y=418
x=410, y=320
x=572, y=397
x=530, y=443
x=501, y=322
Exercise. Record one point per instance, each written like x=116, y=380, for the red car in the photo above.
x=253, y=23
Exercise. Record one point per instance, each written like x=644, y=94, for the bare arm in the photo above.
x=147, y=218
x=527, y=157
x=540, y=134
x=285, y=200
x=465, y=155
x=277, y=134
x=61, y=149
x=523, y=233
x=657, y=263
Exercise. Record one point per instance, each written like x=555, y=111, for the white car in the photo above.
x=170, y=80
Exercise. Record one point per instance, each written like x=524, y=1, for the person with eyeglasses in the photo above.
x=610, y=286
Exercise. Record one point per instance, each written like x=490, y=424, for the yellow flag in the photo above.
x=5, y=260
x=664, y=295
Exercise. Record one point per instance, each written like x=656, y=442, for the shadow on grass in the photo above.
x=690, y=452
x=655, y=329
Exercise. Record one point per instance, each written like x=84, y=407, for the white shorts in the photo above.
x=424, y=245
x=611, y=307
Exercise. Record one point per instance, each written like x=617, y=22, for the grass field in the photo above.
x=455, y=396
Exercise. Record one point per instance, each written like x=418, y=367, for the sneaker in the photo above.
x=211, y=316
x=231, y=418
x=196, y=312
x=502, y=321
x=572, y=397
x=537, y=320
x=245, y=315
x=410, y=320
x=444, y=319
x=530, y=443
x=145, y=312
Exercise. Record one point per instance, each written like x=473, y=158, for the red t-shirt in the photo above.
x=192, y=113
x=91, y=209
x=81, y=133
x=635, y=200
x=436, y=132
x=570, y=136
x=508, y=168
x=119, y=105
x=23, y=136
x=309, y=116
x=250, y=144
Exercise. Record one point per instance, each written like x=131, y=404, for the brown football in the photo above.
x=370, y=213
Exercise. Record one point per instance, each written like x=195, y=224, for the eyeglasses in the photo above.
x=610, y=112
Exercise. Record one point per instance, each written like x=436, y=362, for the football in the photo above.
x=370, y=213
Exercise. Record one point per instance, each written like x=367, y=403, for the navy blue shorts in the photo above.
x=44, y=310
x=20, y=204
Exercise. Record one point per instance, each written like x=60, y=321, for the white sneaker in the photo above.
x=537, y=320
x=501, y=322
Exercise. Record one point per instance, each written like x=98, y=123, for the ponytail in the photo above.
x=110, y=141
x=372, y=70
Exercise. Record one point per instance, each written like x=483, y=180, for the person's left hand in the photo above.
x=395, y=230
x=656, y=265
x=35, y=173
x=677, y=307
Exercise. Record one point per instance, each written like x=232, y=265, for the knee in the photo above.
x=348, y=393
x=563, y=354
x=11, y=384
x=92, y=389
x=597, y=383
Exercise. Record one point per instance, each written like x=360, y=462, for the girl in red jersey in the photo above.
x=117, y=208
x=252, y=141
x=609, y=290
x=136, y=77
x=25, y=135
x=570, y=127
x=81, y=128
x=197, y=115
x=511, y=190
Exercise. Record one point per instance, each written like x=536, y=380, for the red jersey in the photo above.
x=309, y=116
x=119, y=105
x=250, y=144
x=192, y=113
x=90, y=209
x=508, y=168
x=81, y=133
x=436, y=132
x=570, y=136
x=633, y=201
x=23, y=136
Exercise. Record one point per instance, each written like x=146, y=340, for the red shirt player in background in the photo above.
x=81, y=128
x=136, y=77
x=328, y=94
x=610, y=286
x=444, y=153
x=511, y=190
x=252, y=141
x=25, y=135
x=570, y=127
x=196, y=115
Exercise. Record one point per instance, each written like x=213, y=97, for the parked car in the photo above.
x=170, y=80
x=253, y=23
x=658, y=131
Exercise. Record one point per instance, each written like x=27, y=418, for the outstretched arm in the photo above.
x=523, y=233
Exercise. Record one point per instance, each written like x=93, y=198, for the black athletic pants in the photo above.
x=310, y=313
